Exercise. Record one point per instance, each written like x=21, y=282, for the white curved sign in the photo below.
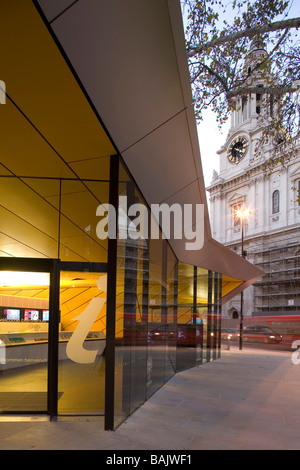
x=75, y=348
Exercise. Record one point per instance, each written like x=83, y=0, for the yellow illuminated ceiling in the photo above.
x=229, y=284
x=47, y=129
x=45, y=92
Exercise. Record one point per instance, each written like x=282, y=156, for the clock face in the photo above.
x=237, y=149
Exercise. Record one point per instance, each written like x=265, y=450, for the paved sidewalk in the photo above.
x=246, y=400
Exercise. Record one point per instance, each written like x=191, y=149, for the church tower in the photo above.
x=271, y=233
x=247, y=115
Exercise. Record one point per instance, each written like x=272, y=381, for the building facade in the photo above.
x=271, y=232
x=94, y=322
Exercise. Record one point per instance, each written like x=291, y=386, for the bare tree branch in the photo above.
x=276, y=26
x=272, y=90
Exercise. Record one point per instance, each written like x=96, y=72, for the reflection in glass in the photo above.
x=186, y=327
x=164, y=310
x=157, y=317
x=171, y=312
x=202, y=308
x=131, y=309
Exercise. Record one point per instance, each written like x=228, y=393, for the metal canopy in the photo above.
x=129, y=58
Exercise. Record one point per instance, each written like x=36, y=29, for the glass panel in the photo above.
x=210, y=325
x=202, y=299
x=162, y=334
x=219, y=314
x=186, y=328
x=156, y=319
x=131, y=308
x=171, y=300
x=78, y=225
x=82, y=342
x=120, y=347
x=214, y=333
x=29, y=218
x=24, y=317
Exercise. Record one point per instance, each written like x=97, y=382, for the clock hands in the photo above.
x=237, y=149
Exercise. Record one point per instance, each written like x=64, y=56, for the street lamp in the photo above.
x=242, y=214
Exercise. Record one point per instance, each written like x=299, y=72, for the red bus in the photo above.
x=287, y=326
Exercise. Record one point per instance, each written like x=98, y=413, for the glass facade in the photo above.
x=164, y=318
x=167, y=312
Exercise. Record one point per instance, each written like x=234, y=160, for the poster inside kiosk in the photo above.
x=24, y=322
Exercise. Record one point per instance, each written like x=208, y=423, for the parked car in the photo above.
x=260, y=334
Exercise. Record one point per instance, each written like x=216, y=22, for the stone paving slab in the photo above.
x=247, y=400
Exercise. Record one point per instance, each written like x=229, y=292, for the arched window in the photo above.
x=275, y=202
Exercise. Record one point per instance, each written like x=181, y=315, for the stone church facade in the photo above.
x=272, y=231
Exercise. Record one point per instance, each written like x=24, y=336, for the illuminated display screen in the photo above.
x=45, y=315
x=33, y=315
x=12, y=314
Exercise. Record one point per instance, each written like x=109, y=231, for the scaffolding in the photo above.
x=278, y=291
